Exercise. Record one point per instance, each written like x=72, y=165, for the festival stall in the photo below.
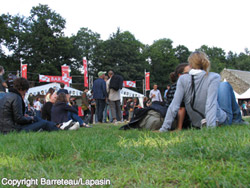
x=42, y=90
x=131, y=94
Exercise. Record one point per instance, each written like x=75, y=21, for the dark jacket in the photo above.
x=99, y=89
x=59, y=112
x=12, y=112
x=46, y=111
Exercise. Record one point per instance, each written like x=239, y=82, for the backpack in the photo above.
x=116, y=82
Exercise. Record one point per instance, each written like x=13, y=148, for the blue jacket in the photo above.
x=99, y=89
x=59, y=112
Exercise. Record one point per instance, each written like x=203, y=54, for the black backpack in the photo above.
x=116, y=82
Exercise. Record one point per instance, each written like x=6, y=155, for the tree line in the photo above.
x=39, y=41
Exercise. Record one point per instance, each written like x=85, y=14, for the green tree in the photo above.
x=182, y=53
x=162, y=60
x=123, y=54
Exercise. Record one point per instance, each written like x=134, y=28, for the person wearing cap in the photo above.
x=100, y=94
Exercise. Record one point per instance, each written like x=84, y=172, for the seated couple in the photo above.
x=208, y=101
x=13, y=117
x=58, y=110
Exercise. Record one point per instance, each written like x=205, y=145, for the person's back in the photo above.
x=208, y=101
x=12, y=113
x=206, y=88
x=46, y=111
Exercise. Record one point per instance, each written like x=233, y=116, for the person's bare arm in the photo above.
x=181, y=117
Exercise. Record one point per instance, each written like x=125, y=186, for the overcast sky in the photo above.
x=216, y=23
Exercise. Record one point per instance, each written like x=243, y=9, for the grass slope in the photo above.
x=217, y=157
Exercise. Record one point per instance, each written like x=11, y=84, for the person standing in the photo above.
x=38, y=107
x=244, y=108
x=114, y=100
x=85, y=105
x=3, y=84
x=100, y=94
x=155, y=94
x=166, y=92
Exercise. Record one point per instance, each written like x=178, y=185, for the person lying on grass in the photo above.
x=13, y=117
x=61, y=112
x=208, y=101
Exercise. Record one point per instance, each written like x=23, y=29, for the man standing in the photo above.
x=114, y=100
x=3, y=84
x=100, y=94
x=155, y=94
x=166, y=92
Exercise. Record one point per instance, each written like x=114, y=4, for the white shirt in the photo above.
x=157, y=96
x=38, y=105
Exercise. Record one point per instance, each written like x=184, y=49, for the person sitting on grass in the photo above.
x=208, y=101
x=182, y=119
x=13, y=117
x=62, y=112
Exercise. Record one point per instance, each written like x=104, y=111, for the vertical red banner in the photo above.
x=147, y=79
x=66, y=79
x=65, y=70
x=24, y=71
x=85, y=68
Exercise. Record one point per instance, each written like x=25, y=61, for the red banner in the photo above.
x=24, y=71
x=147, y=79
x=46, y=78
x=85, y=68
x=129, y=84
x=65, y=78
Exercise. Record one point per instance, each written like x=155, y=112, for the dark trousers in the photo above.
x=100, y=105
x=40, y=124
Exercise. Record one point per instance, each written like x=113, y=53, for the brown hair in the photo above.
x=178, y=70
x=62, y=85
x=21, y=84
x=199, y=60
x=61, y=98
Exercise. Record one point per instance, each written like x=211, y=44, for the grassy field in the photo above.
x=217, y=157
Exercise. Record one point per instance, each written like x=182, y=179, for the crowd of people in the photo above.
x=196, y=98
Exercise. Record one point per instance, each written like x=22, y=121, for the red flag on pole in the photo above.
x=147, y=79
x=66, y=79
x=24, y=71
x=85, y=68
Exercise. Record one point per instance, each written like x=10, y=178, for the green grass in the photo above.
x=217, y=157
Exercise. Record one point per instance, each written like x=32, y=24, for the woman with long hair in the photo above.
x=62, y=112
x=182, y=117
x=208, y=101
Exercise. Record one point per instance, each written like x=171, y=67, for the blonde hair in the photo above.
x=199, y=60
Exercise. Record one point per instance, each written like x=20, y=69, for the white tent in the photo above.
x=42, y=90
x=132, y=94
x=245, y=95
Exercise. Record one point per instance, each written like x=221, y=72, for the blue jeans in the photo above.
x=75, y=117
x=105, y=113
x=38, y=113
x=100, y=105
x=227, y=102
x=40, y=124
x=2, y=95
x=110, y=114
